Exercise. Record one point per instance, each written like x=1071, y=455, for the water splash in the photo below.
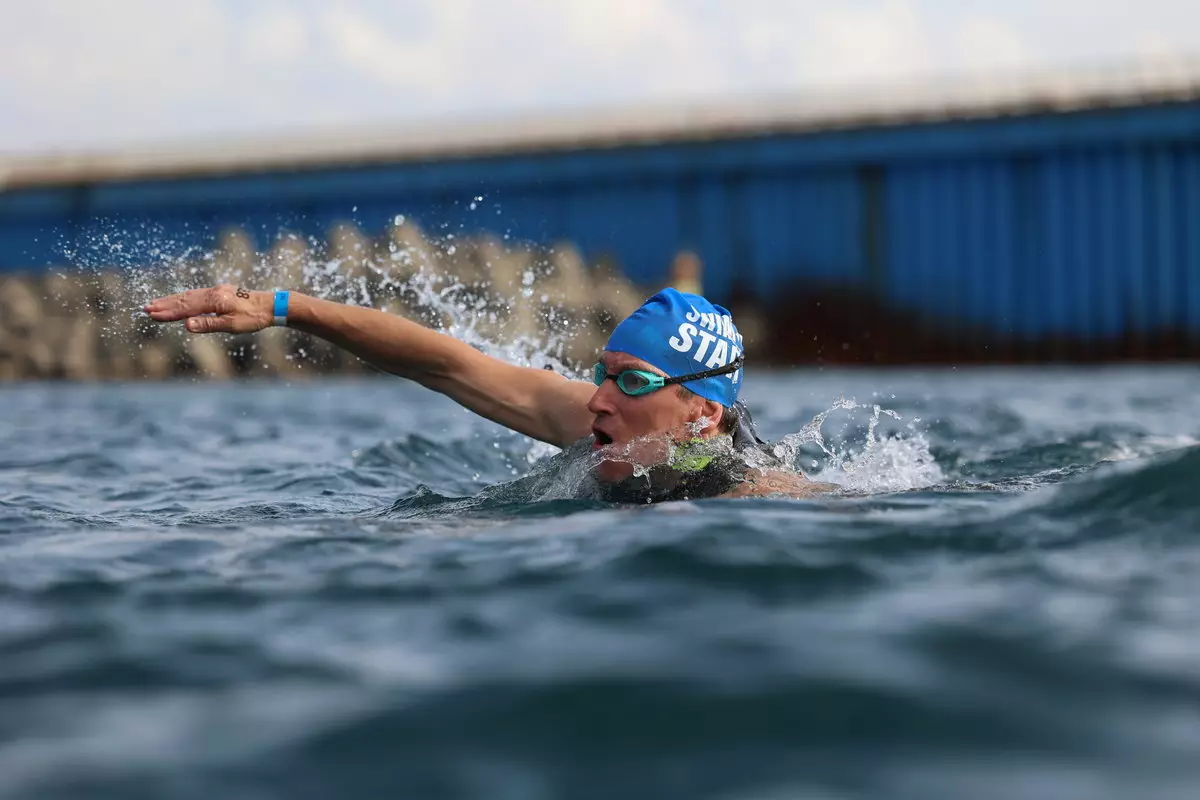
x=1121, y=450
x=514, y=303
x=887, y=463
x=532, y=307
x=898, y=461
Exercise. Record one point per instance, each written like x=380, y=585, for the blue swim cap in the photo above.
x=682, y=334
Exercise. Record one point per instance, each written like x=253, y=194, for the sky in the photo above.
x=85, y=75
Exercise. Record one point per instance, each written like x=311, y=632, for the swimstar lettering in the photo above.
x=713, y=351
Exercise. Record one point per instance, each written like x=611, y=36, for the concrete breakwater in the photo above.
x=543, y=306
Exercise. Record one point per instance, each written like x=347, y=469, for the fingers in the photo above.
x=210, y=325
x=219, y=309
x=185, y=304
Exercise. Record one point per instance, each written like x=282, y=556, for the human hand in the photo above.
x=220, y=309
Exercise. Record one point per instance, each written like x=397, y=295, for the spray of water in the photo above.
x=887, y=463
x=533, y=307
x=512, y=303
x=898, y=461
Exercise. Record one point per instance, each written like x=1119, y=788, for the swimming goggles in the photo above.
x=637, y=382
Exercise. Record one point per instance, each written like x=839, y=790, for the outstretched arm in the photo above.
x=537, y=403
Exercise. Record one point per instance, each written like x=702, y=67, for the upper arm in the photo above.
x=536, y=402
x=762, y=483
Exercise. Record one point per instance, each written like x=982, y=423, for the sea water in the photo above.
x=319, y=587
x=344, y=587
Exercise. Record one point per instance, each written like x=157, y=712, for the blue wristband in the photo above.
x=281, y=309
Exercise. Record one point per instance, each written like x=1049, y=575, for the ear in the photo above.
x=712, y=411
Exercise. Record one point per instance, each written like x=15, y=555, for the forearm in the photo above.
x=386, y=341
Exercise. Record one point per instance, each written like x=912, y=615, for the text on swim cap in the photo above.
x=720, y=323
x=699, y=340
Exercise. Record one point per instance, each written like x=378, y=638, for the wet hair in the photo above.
x=729, y=417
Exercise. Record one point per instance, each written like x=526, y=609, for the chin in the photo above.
x=609, y=471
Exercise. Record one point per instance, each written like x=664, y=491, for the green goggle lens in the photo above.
x=633, y=382
x=636, y=382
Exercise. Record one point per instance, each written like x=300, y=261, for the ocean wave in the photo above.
x=279, y=599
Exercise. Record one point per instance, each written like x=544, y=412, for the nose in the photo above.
x=602, y=398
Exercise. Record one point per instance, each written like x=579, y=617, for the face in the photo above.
x=637, y=429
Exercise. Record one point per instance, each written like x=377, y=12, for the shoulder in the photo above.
x=771, y=482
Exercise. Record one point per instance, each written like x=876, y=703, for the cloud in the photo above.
x=862, y=43
x=985, y=44
x=78, y=70
x=276, y=34
x=367, y=48
x=75, y=73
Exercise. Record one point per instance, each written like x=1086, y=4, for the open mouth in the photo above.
x=602, y=438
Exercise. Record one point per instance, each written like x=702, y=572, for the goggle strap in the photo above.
x=712, y=373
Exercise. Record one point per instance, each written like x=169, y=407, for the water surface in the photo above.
x=354, y=588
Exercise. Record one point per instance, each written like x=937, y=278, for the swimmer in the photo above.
x=663, y=396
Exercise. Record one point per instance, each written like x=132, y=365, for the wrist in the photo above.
x=271, y=309
x=279, y=308
x=264, y=304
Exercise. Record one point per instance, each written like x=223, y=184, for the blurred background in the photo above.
x=860, y=182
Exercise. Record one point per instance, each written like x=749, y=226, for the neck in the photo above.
x=695, y=454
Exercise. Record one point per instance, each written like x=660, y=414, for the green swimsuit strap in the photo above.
x=690, y=456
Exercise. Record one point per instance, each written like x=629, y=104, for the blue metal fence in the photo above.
x=1082, y=224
